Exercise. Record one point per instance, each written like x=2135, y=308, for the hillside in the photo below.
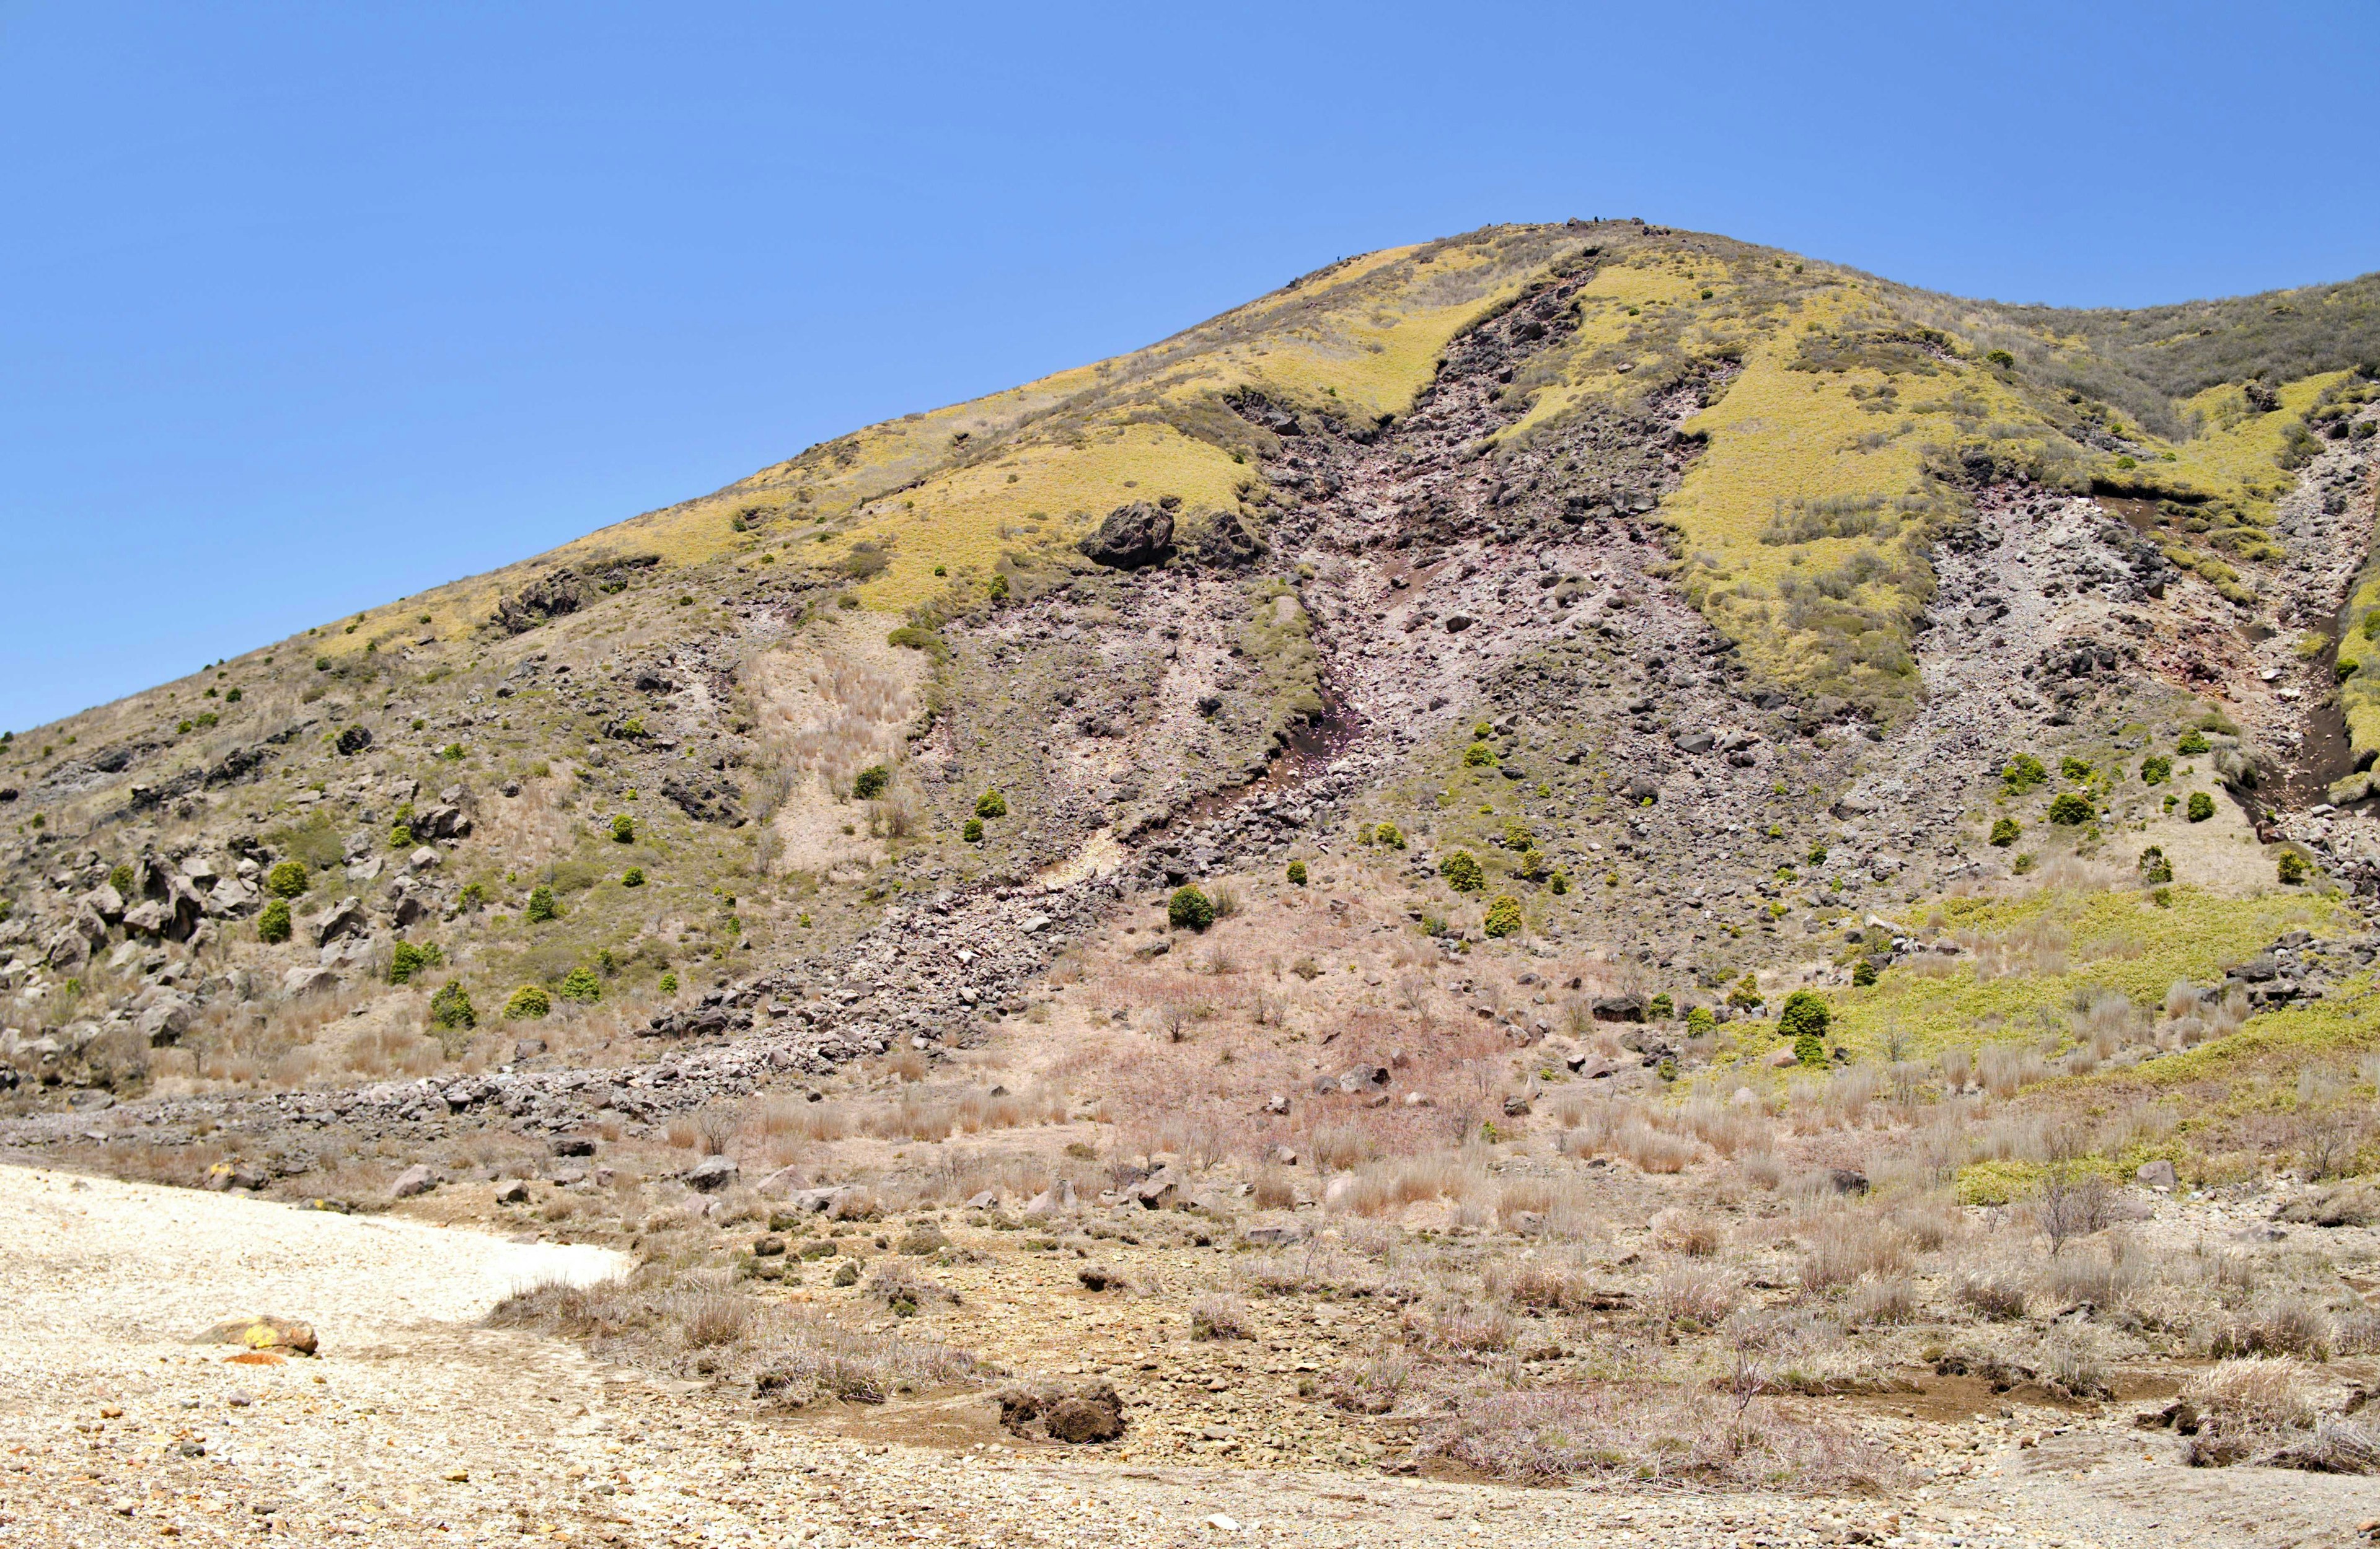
x=1655, y=725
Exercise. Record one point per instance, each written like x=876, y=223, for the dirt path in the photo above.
x=413, y=1426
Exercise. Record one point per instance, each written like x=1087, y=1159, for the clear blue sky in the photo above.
x=308, y=307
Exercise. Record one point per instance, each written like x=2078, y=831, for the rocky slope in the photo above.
x=1468, y=539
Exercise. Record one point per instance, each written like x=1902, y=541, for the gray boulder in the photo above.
x=415, y=1179
x=1132, y=536
x=712, y=1173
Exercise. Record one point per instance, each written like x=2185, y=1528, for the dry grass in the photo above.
x=687, y=1324
x=1656, y=1435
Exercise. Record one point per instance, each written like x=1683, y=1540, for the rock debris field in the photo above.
x=413, y=1424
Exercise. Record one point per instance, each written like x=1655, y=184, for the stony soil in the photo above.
x=412, y=1425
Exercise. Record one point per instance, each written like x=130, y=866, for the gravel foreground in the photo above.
x=412, y=1425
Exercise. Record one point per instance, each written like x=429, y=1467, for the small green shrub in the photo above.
x=451, y=1006
x=541, y=906
x=1661, y=1008
x=581, y=985
x=624, y=829
x=633, y=877
x=2201, y=806
x=2155, y=870
x=1804, y=1015
x=871, y=782
x=2194, y=740
x=1461, y=869
x=1389, y=835
x=2155, y=770
x=288, y=879
x=1298, y=874
x=1189, y=909
x=2023, y=864
x=120, y=878
x=473, y=897
x=1863, y=974
x=1700, y=1022
x=2005, y=832
x=274, y=924
x=410, y=958
x=2293, y=868
x=1504, y=917
x=400, y=837
x=1559, y=883
x=2021, y=773
x=669, y=983
x=992, y=804
x=1746, y=993
x=2073, y=767
x=973, y=830
x=2071, y=809
x=1479, y=756
x=1517, y=837
x=1810, y=1049
x=1531, y=865
x=527, y=1004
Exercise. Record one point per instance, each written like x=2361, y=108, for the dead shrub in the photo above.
x=1220, y=1317
x=1652, y=1435
x=1841, y=1248
x=1689, y=1233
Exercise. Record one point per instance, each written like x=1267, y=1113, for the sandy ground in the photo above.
x=414, y=1427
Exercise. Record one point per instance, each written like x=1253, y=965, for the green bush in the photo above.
x=2070, y=808
x=410, y=958
x=451, y=1006
x=2194, y=740
x=1810, y=1049
x=633, y=877
x=1746, y=993
x=1298, y=874
x=1517, y=837
x=1461, y=869
x=2293, y=868
x=400, y=837
x=527, y=1004
x=1559, y=883
x=1661, y=1008
x=2073, y=767
x=1189, y=909
x=582, y=986
x=2005, y=832
x=2155, y=770
x=1863, y=974
x=288, y=879
x=541, y=906
x=992, y=804
x=1504, y=917
x=1804, y=1015
x=2023, y=773
x=1389, y=835
x=120, y=878
x=473, y=896
x=1700, y=1022
x=2201, y=806
x=2155, y=870
x=624, y=829
x=1479, y=756
x=669, y=983
x=274, y=924
x=871, y=782
x=973, y=831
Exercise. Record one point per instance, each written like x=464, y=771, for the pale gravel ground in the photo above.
x=105, y=1283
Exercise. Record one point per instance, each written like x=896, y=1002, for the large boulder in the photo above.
x=334, y=921
x=1229, y=541
x=1133, y=536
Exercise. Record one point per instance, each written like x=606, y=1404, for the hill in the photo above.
x=1641, y=718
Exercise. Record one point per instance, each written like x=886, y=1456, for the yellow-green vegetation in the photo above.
x=2055, y=946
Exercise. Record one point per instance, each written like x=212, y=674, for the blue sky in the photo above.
x=311, y=307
